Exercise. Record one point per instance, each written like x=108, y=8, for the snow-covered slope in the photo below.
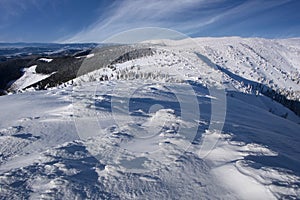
x=170, y=125
x=29, y=77
x=275, y=63
x=237, y=66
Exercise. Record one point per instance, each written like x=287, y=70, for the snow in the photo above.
x=274, y=63
x=90, y=55
x=28, y=78
x=46, y=59
x=223, y=171
x=141, y=136
x=87, y=56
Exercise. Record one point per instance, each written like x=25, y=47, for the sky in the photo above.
x=66, y=21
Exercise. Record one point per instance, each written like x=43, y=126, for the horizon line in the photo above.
x=94, y=42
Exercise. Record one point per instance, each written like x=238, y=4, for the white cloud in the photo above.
x=129, y=14
x=135, y=14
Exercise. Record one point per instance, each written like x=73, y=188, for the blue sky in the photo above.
x=96, y=20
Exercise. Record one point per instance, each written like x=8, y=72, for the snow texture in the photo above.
x=120, y=132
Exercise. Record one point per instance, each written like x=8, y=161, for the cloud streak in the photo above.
x=97, y=20
x=189, y=17
x=135, y=14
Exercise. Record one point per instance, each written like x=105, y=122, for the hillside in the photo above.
x=207, y=118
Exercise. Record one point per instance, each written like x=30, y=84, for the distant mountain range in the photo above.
x=11, y=50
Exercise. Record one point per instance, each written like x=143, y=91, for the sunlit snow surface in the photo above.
x=28, y=78
x=129, y=138
x=46, y=59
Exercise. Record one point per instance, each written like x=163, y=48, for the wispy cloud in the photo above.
x=135, y=14
x=11, y=9
x=187, y=16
